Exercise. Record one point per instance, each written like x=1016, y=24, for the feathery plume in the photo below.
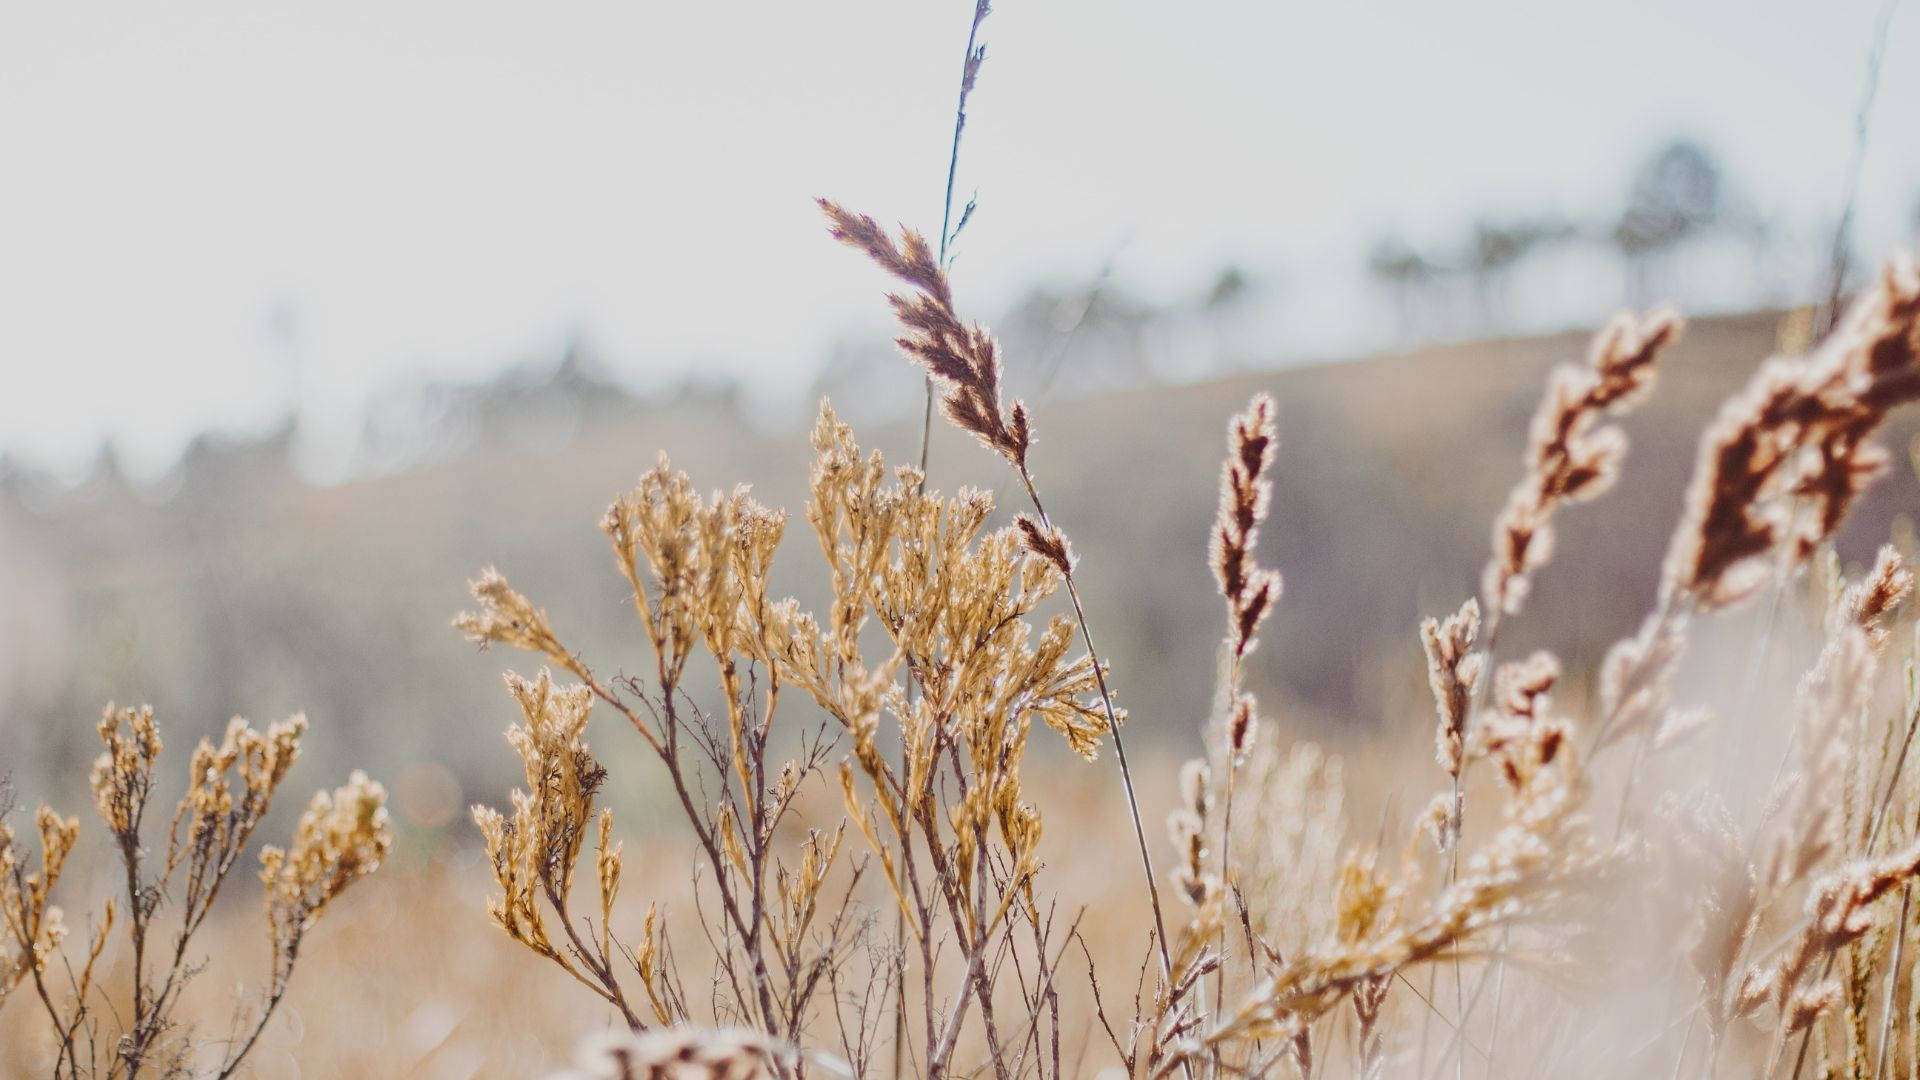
x=1453, y=673
x=1786, y=458
x=1570, y=457
x=1245, y=492
x=963, y=358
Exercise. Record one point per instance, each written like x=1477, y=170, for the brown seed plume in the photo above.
x=1048, y=543
x=1788, y=456
x=1570, y=457
x=1867, y=602
x=963, y=358
x=1243, y=727
x=1245, y=492
x=1453, y=673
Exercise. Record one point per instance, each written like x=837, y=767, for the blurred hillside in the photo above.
x=236, y=588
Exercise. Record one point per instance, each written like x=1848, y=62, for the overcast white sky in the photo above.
x=441, y=188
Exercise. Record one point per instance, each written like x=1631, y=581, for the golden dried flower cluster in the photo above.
x=934, y=657
x=679, y=1054
x=230, y=788
x=343, y=836
x=34, y=926
x=964, y=673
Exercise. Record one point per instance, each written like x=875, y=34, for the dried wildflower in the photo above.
x=1364, y=898
x=969, y=669
x=1808, y=800
x=1636, y=681
x=1570, y=457
x=1187, y=829
x=1540, y=857
x=1867, y=602
x=681, y=1054
x=1520, y=689
x=230, y=787
x=1436, y=821
x=342, y=837
x=1787, y=457
x=1453, y=672
x=533, y=853
x=954, y=601
x=1711, y=862
x=606, y=865
x=964, y=359
x=31, y=927
x=1050, y=544
x=1369, y=997
x=1245, y=493
x=1521, y=738
x=506, y=618
x=1839, y=913
x=218, y=819
x=123, y=773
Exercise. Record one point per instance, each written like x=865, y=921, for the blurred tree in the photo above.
x=1497, y=247
x=1677, y=193
x=1221, y=315
x=1404, y=272
x=1229, y=289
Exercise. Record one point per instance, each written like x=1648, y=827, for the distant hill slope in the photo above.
x=259, y=595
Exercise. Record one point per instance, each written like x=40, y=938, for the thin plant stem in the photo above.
x=1875, y=55
x=1686, y=1040
x=1893, y=982
x=969, y=66
x=1873, y=837
x=1119, y=744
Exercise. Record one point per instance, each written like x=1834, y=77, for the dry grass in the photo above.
x=932, y=630
x=1601, y=889
x=1585, y=896
x=94, y=1028
x=888, y=876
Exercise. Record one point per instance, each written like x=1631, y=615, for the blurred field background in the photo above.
x=245, y=590
x=249, y=590
x=236, y=577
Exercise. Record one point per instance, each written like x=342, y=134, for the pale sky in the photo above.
x=438, y=189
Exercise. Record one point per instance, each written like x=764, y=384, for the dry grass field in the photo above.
x=1522, y=707
x=1342, y=928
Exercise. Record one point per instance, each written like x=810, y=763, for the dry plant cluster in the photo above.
x=1585, y=889
x=1581, y=893
x=915, y=931
x=123, y=1017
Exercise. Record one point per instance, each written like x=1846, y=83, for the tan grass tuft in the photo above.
x=1570, y=456
x=1787, y=457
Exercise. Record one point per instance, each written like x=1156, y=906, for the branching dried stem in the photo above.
x=935, y=632
x=955, y=840
x=342, y=837
x=964, y=359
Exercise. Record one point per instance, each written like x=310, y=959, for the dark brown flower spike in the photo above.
x=963, y=358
